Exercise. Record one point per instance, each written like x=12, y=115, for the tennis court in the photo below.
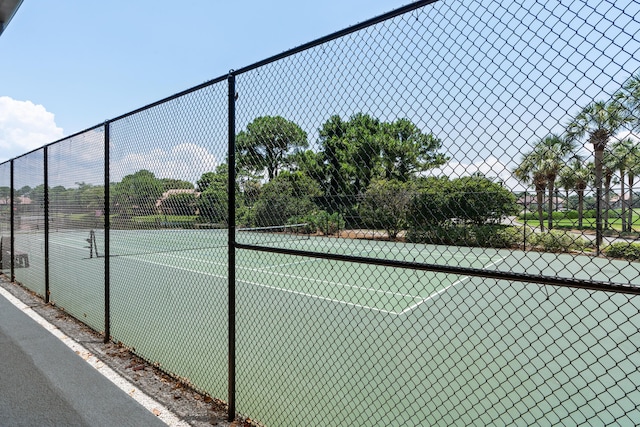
x=450, y=349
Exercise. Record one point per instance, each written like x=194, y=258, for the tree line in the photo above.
x=554, y=160
x=362, y=172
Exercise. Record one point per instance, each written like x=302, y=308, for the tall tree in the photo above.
x=5, y=194
x=137, y=192
x=599, y=122
x=529, y=172
x=609, y=167
x=633, y=170
x=365, y=140
x=175, y=184
x=629, y=96
x=548, y=157
x=267, y=142
x=337, y=153
x=406, y=150
x=310, y=163
x=567, y=181
x=582, y=176
x=622, y=152
x=362, y=149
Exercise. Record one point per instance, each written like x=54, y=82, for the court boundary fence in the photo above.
x=232, y=190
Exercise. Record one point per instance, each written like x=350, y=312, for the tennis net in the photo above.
x=276, y=234
x=142, y=242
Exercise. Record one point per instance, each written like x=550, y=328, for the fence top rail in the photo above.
x=381, y=18
x=341, y=33
x=338, y=34
x=54, y=142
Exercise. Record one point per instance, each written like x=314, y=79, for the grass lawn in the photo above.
x=615, y=222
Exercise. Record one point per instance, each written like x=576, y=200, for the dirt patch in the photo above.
x=369, y=235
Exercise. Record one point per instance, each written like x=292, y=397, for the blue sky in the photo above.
x=70, y=64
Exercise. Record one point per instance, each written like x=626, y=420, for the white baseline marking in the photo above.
x=329, y=282
x=292, y=276
x=262, y=285
x=289, y=290
x=373, y=290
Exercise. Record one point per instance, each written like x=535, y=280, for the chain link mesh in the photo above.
x=28, y=181
x=427, y=139
x=5, y=216
x=169, y=265
x=436, y=223
x=76, y=212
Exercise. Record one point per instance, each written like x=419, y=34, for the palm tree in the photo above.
x=599, y=121
x=546, y=159
x=528, y=171
x=609, y=167
x=582, y=175
x=622, y=151
x=567, y=181
x=551, y=152
x=629, y=96
x=633, y=170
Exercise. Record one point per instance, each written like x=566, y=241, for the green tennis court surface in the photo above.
x=365, y=344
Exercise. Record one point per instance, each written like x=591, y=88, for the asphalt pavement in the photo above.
x=44, y=383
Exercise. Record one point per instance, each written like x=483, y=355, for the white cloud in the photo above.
x=186, y=161
x=24, y=126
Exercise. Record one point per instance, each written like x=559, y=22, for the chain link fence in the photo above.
x=429, y=218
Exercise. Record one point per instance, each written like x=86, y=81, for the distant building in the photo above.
x=529, y=202
x=171, y=192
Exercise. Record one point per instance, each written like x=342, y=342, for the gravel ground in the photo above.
x=189, y=406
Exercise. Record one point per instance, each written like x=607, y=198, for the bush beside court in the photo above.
x=624, y=250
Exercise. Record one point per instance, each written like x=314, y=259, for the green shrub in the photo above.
x=287, y=195
x=328, y=223
x=497, y=236
x=310, y=221
x=628, y=251
x=571, y=214
x=385, y=205
x=531, y=216
x=557, y=241
x=492, y=236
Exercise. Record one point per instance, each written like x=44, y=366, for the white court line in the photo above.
x=373, y=290
x=430, y=297
x=329, y=282
x=289, y=290
x=123, y=384
x=292, y=276
x=262, y=285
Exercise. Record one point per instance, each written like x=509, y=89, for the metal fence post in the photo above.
x=231, y=211
x=12, y=223
x=46, y=224
x=107, y=226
